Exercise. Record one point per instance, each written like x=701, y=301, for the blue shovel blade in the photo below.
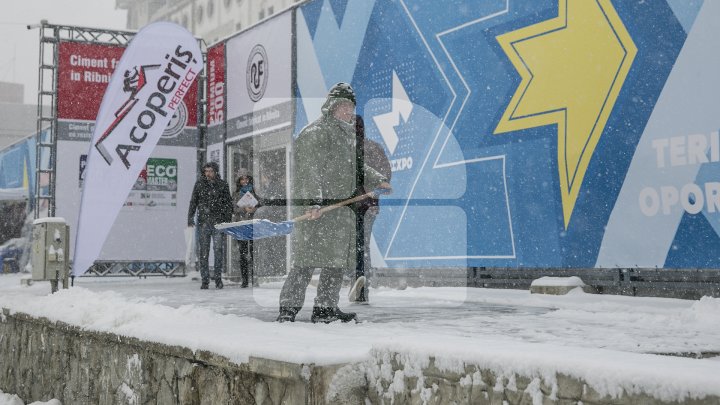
x=257, y=229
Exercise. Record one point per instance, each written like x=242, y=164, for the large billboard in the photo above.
x=216, y=105
x=150, y=224
x=216, y=86
x=259, y=74
x=531, y=133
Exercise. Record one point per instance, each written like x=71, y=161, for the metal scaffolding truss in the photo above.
x=51, y=36
x=47, y=122
x=94, y=35
x=119, y=268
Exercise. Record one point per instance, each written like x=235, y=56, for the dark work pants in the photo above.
x=246, y=256
x=207, y=232
x=363, y=233
x=328, y=291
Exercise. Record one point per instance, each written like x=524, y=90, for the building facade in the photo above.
x=211, y=20
x=17, y=120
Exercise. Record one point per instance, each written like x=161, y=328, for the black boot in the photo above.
x=218, y=283
x=204, y=285
x=328, y=315
x=287, y=314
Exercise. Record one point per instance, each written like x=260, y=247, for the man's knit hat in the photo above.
x=342, y=90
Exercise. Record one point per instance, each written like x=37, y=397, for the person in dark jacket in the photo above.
x=369, y=153
x=244, y=185
x=211, y=199
x=324, y=173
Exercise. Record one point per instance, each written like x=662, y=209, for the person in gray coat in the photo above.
x=325, y=173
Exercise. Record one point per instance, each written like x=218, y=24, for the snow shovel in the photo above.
x=255, y=229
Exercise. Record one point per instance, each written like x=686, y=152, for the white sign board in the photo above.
x=259, y=79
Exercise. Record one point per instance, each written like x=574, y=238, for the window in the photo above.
x=261, y=14
x=228, y=3
x=199, y=13
x=210, y=8
x=185, y=21
x=271, y=9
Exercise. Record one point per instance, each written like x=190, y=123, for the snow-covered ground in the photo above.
x=607, y=340
x=12, y=399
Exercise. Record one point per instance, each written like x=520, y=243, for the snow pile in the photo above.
x=608, y=372
x=599, y=339
x=547, y=281
x=196, y=328
x=705, y=310
x=8, y=399
x=347, y=380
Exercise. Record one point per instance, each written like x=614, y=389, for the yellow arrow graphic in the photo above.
x=572, y=69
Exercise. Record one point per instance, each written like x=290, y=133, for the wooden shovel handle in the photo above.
x=349, y=201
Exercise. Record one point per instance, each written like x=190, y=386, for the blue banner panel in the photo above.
x=531, y=133
x=16, y=165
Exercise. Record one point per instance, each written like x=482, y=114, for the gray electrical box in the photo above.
x=50, y=251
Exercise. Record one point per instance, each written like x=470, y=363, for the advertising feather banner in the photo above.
x=149, y=83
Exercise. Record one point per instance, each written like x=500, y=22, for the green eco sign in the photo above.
x=162, y=174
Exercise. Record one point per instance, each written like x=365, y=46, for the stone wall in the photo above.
x=401, y=379
x=41, y=360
